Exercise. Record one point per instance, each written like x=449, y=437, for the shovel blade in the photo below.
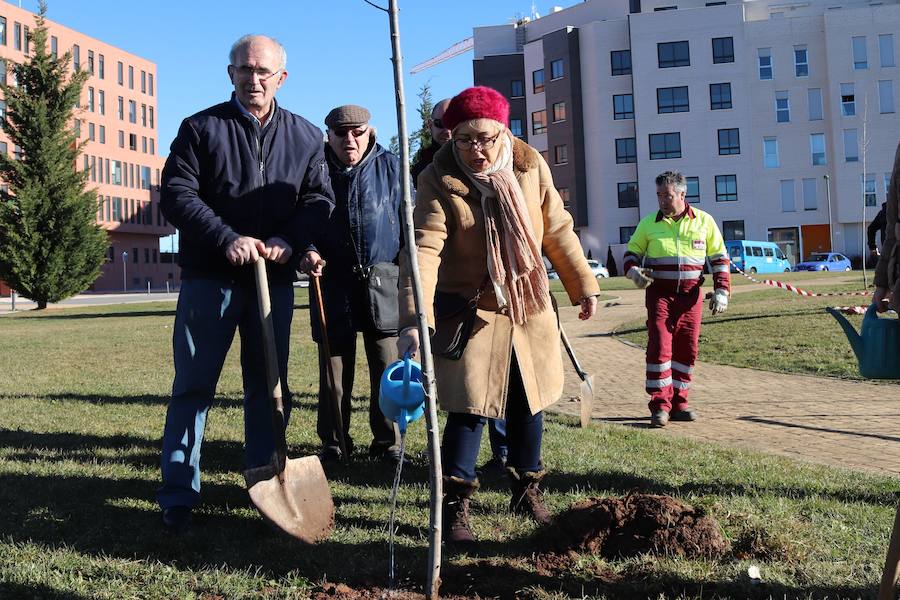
x=297, y=501
x=587, y=400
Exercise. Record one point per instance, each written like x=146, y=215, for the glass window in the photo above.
x=151, y=117
x=143, y=115
x=559, y=112
x=625, y=233
x=116, y=172
x=665, y=145
x=517, y=88
x=764, y=60
x=782, y=108
x=723, y=50
x=54, y=46
x=537, y=81
x=787, y=196
x=770, y=153
x=143, y=82
x=76, y=56
x=729, y=141
x=152, y=146
x=556, y=69
x=120, y=70
x=101, y=71
x=3, y=111
x=121, y=139
x=851, y=145
x=885, y=49
x=3, y=78
x=869, y=189
x=626, y=150
x=130, y=77
x=817, y=149
x=132, y=111
x=621, y=62
x=17, y=36
x=3, y=30
x=814, y=99
x=693, y=190
x=733, y=230
x=726, y=188
x=561, y=154
x=90, y=62
x=121, y=107
x=90, y=99
x=27, y=35
x=623, y=106
x=628, y=194
x=719, y=96
x=809, y=195
x=91, y=132
x=801, y=61
x=673, y=54
x=860, y=56
x=768, y=252
x=150, y=83
x=145, y=178
x=886, y=95
x=848, y=99
x=564, y=196
x=672, y=100
x=539, y=122
x=102, y=134
x=515, y=126
x=102, y=102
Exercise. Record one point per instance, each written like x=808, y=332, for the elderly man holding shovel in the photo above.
x=245, y=179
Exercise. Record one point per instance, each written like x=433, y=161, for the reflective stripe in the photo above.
x=717, y=257
x=676, y=274
x=720, y=269
x=681, y=385
x=659, y=383
x=659, y=367
x=681, y=367
x=676, y=260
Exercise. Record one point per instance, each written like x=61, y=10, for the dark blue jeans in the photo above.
x=497, y=435
x=524, y=431
x=209, y=311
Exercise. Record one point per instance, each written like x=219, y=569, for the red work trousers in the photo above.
x=673, y=328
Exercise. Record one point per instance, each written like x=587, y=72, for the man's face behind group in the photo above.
x=257, y=74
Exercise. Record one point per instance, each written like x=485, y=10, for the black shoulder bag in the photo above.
x=454, y=320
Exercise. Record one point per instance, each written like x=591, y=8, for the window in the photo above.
x=3, y=30
x=561, y=154
x=556, y=69
x=2, y=109
x=143, y=82
x=54, y=46
x=809, y=195
x=121, y=110
x=153, y=147
x=150, y=83
x=564, y=196
x=4, y=150
x=143, y=115
x=539, y=122
x=869, y=189
x=886, y=95
x=145, y=178
x=76, y=57
x=801, y=61
x=817, y=149
x=848, y=99
x=623, y=106
x=116, y=172
x=132, y=111
x=77, y=126
x=101, y=64
x=625, y=233
x=723, y=50
x=121, y=139
x=517, y=88
x=90, y=99
x=672, y=100
x=665, y=145
x=628, y=195
x=851, y=145
x=626, y=150
x=102, y=134
x=17, y=36
x=860, y=56
x=91, y=132
x=719, y=96
x=621, y=62
x=782, y=108
x=132, y=141
x=764, y=60
x=559, y=112
x=120, y=69
x=693, y=190
x=726, y=188
x=729, y=142
x=885, y=48
x=130, y=77
x=515, y=126
x=733, y=230
x=787, y=196
x=661, y=8
x=814, y=99
x=90, y=63
x=116, y=216
x=673, y=54
x=770, y=153
x=3, y=70
x=151, y=117
x=537, y=81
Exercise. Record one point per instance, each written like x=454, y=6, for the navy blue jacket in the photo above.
x=365, y=225
x=226, y=177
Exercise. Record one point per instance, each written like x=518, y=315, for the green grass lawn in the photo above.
x=82, y=400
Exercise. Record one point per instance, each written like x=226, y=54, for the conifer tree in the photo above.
x=51, y=246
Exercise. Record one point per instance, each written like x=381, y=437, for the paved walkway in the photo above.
x=849, y=424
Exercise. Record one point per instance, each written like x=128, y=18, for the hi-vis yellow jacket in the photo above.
x=675, y=250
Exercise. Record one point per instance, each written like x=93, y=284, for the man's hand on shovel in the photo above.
x=312, y=264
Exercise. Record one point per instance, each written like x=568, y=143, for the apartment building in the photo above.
x=117, y=117
x=781, y=113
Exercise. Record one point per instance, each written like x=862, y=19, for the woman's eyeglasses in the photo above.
x=467, y=144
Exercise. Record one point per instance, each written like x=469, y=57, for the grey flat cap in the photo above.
x=349, y=115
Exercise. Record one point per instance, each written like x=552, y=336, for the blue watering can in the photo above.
x=402, y=396
x=877, y=345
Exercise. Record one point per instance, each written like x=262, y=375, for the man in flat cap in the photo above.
x=359, y=284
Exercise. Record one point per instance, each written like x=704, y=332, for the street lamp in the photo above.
x=124, y=271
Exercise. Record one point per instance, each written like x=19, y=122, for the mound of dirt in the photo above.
x=332, y=591
x=621, y=527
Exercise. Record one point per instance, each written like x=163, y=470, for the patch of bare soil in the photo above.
x=332, y=591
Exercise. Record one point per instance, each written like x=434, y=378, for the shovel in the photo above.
x=291, y=493
x=586, y=402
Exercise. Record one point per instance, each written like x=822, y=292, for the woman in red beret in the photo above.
x=485, y=211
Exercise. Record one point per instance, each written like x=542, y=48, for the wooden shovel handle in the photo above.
x=270, y=354
x=888, y=589
x=336, y=404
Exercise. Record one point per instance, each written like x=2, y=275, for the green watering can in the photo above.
x=877, y=345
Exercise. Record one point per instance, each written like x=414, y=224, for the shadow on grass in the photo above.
x=104, y=315
x=24, y=590
x=721, y=321
x=767, y=421
x=300, y=400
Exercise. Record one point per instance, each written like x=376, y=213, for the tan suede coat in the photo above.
x=886, y=271
x=452, y=255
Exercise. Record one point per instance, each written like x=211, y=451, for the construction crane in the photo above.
x=454, y=50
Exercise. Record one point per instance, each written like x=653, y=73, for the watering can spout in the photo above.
x=850, y=331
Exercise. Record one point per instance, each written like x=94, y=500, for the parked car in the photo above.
x=757, y=257
x=824, y=261
x=595, y=265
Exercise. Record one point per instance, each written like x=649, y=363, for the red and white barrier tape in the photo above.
x=849, y=310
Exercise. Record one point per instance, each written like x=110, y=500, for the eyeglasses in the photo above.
x=465, y=144
x=438, y=123
x=248, y=72
x=345, y=131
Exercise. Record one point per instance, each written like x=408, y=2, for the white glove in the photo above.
x=640, y=277
x=719, y=302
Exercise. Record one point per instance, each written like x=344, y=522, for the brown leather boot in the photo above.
x=457, y=493
x=527, y=495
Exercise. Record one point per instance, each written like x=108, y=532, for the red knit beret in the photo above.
x=479, y=102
